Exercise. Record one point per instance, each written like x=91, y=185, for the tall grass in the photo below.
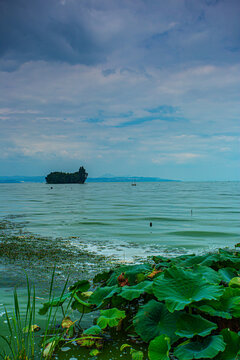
x=22, y=341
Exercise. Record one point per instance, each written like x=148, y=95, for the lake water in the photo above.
x=114, y=218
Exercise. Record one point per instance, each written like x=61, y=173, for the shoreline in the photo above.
x=22, y=251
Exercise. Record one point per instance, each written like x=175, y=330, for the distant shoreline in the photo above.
x=41, y=179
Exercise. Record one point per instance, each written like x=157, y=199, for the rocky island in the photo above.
x=78, y=177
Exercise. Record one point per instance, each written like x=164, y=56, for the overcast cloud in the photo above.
x=144, y=88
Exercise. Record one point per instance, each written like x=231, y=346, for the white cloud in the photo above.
x=179, y=158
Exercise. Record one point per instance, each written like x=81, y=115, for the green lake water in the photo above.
x=96, y=225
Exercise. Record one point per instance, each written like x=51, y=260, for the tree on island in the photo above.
x=78, y=177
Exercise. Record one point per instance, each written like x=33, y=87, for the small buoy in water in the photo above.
x=150, y=224
x=51, y=187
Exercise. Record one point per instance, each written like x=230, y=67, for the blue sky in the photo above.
x=128, y=87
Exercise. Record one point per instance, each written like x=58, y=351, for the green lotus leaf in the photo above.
x=110, y=317
x=124, y=346
x=154, y=319
x=207, y=273
x=161, y=260
x=58, y=301
x=235, y=282
x=102, y=294
x=232, y=350
x=81, y=285
x=190, y=325
x=93, y=330
x=81, y=307
x=180, y=288
x=191, y=260
x=117, y=301
x=136, y=354
x=159, y=348
x=134, y=273
x=94, y=352
x=134, y=292
x=229, y=259
x=218, y=260
x=207, y=348
x=227, y=274
x=102, y=277
x=227, y=306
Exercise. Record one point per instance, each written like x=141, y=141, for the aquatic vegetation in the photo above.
x=21, y=340
x=181, y=308
x=37, y=255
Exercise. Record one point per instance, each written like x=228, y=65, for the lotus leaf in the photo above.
x=162, y=261
x=191, y=260
x=101, y=294
x=133, y=292
x=235, y=282
x=94, y=352
x=67, y=323
x=110, y=317
x=229, y=259
x=216, y=260
x=93, y=330
x=159, y=348
x=80, y=305
x=83, y=309
x=81, y=285
x=232, y=350
x=207, y=348
x=226, y=307
x=124, y=346
x=227, y=274
x=207, y=273
x=180, y=288
x=54, y=302
x=86, y=294
x=102, y=277
x=132, y=272
x=136, y=355
x=154, y=319
x=190, y=325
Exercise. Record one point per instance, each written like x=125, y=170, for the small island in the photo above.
x=57, y=177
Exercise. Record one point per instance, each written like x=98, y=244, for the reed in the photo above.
x=22, y=340
x=21, y=337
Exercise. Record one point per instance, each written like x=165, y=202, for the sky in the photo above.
x=122, y=87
